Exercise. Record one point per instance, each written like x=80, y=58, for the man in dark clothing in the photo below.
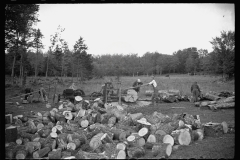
x=195, y=90
x=136, y=84
x=29, y=95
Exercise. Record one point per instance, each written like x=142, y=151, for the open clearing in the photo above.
x=209, y=147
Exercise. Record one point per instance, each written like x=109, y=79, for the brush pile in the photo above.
x=103, y=131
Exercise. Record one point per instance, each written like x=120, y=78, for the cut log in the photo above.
x=40, y=126
x=21, y=154
x=227, y=100
x=32, y=146
x=11, y=134
x=107, y=138
x=151, y=138
x=71, y=145
x=182, y=137
x=19, y=141
x=42, y=152
x=142, y=132
x=141, y=142
x=121, y=155
x=112, y=121
x=54, y=144
x=53, y=134
x=162, y=150
x=224, y=105
x=84, y=123
x=87, y=155
x=96, y=141
x=44, y=133
x=131, y=96
x=59, y=127
x=121, y=146
x=135, y=152
x=68, y=115
x=54, y=129
x=54, y=154
x=169, y=139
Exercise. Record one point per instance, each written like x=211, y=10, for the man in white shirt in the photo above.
x=154, y=85
x=73, y=86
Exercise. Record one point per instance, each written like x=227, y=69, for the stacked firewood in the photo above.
x=214, y=100
x=102, y=131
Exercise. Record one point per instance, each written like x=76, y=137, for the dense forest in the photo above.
x=24, y=55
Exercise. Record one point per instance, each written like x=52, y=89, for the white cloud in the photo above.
x=137, y=28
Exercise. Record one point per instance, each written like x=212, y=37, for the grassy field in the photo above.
x=209, y=147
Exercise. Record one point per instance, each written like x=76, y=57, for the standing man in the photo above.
x=136, y=84
x=43, y=94
x=195, y=90
x=155, y=92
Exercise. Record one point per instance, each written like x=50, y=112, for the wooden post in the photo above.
x=54, y=91
x=105, y=93
x=119, y=100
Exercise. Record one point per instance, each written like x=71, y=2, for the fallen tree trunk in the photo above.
x=222, y=105
x=211, y=97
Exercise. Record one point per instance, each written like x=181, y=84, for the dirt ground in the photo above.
x=209, y=147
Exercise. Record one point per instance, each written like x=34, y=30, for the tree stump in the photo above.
x=11, y=134
x=213, y=129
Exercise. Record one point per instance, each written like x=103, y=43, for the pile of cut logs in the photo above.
x=214, y=100
x=168, y=96
x=102, y=131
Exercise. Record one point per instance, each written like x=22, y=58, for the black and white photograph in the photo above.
x=120, y=81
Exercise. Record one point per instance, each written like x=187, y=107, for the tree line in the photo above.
x=24, y=55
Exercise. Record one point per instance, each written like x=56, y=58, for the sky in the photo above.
x=137, y=28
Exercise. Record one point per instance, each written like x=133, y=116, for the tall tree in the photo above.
x=83, y=60
x=224, y=49
x=19, y=19
x=37, y=43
